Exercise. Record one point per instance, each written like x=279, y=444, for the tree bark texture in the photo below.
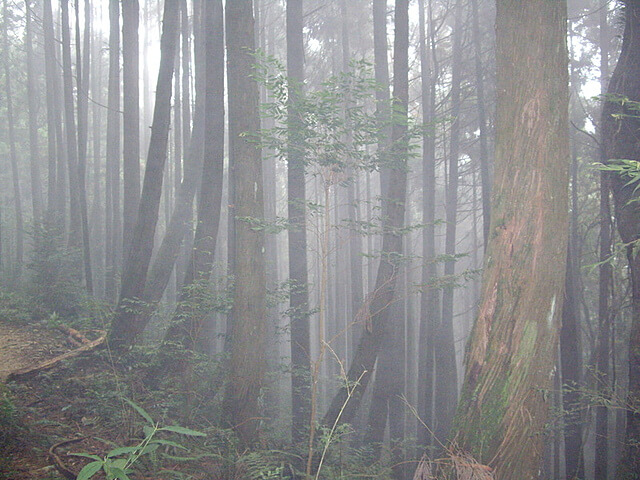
x=249, y=316
x=504, y=405
x=620, y=127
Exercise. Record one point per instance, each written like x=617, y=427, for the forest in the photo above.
x=320, y=239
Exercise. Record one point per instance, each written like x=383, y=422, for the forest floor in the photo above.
x=76, y=405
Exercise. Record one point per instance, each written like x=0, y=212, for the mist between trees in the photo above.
x=324, y=239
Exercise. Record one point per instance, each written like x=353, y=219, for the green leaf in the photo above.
x=121, y=451
x=86, y=455
x=119, y=474
x=152, y=447
x=140, y=410
x=168, y=443
x=119, y=463
x=182, y=431
x=148, y=431
x=89, y=470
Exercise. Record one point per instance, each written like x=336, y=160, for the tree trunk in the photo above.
x=17, y=196
x=296, y=197
x=430, y=295
x=130, y=120
x=54, y=125
x=504, y=405
x=125, y=329
x=446, y=381
x=346, y=402
x=188, y=324
x=34, y=153
x=113, y=231
x=485, y=176
x=75, y=225
x=249, y=324
x=620, y=125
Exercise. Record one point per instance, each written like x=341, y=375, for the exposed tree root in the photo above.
x=57, y=461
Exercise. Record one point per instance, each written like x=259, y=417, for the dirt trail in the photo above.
x=23, y=346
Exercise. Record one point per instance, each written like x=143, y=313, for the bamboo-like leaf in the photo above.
x=182, y=431
x=89, y=470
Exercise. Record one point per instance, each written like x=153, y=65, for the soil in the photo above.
x=23, y=346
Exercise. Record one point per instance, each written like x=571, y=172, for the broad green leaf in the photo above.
x=89, y=470
x=182, y=431
x=119, y=463
x=140, y=410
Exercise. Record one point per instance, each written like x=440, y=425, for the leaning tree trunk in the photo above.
x=620, y=126
x=124, y=329
x=346, y=402
x=504, y=408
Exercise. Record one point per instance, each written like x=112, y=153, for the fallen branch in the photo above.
x=52, y=362
x=57, y=461
x=73, y=333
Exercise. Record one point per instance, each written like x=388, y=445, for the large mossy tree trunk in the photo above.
x=620, y=127
x=504, y=404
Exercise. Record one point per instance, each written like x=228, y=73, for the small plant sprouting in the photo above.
x=117, y=463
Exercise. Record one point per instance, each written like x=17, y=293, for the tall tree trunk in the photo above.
x=17, y=196
x=34, y=153
x=605, y=279
x=570, y=345
x=345, y=403
x=503, y=409
x=54, y=125
x=247, y=355
x=446, y=389
x=485, y=177
x=430, y=295
x=187, y=327
x=620, y=125
x=125, y=329
x=113, y=231
x=297, y=233
x=13, y=154
x=130, y=119
x=82, y=95
x=75, y=225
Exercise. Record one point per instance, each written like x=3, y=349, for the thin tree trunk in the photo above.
x=113, y=231
x=17, y=196
x=130, y=119
x=297, y=234
x=54, y=125
x=34, y=153
x=346, y=402
x=446, y=393
x=75, y=226
x=430, y=295
x=82, y=95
